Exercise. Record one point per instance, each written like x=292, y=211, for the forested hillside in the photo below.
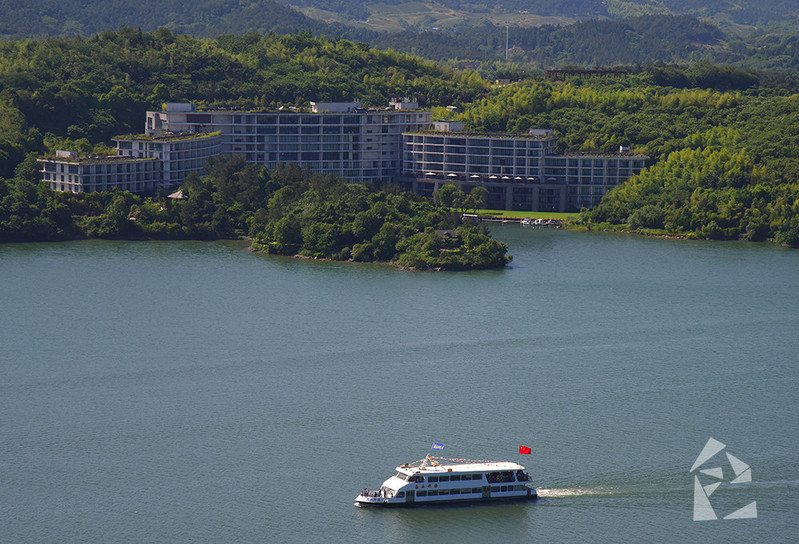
x=741, y=12
x=625, y=36
x=638, y=40
x=92, y=89
x=712, y=187
x=207, y=18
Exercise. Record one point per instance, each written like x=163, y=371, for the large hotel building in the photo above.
x=341, y=138
x=520, y=172
x=395, y=144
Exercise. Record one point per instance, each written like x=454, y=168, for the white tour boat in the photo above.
x=438, y=480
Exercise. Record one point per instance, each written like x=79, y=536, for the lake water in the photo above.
x=196, y=392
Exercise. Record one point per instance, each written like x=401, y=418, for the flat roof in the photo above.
x=612, y=154
x=168, y=136
x=465, y=465
x=292, y=109
x=95, y=159
x=502, y=135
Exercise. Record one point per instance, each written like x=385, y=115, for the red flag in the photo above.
x=525, y=450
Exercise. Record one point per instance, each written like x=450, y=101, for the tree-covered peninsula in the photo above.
x=287, y=211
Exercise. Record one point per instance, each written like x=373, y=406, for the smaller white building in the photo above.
x=69, y=172
x=142, y=164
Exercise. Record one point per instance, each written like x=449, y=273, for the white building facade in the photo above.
x=341, y=138
x=520, y=172
x=143, y=164
x=179, y=153
x=69, y=172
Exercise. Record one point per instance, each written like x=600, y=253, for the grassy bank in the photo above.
x=531, y=215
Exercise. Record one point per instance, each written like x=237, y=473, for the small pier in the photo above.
x=526, y=221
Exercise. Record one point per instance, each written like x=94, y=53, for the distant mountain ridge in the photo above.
x=203, y=18
x=597, y=38
x=638, y=40
x=210, y=18
x=732, y=12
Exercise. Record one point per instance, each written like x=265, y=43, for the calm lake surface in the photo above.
x=196, y=392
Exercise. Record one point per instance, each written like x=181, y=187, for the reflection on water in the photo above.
x=468, y=522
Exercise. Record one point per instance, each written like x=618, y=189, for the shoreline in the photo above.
x=550, y=223
x=687, y=237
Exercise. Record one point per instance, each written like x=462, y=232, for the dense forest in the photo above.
x=711, y=188
x=287, y=211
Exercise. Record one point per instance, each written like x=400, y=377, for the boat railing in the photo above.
x=381, y=493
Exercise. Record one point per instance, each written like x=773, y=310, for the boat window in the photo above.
x=476, y=490
x=477, y=476
x=421, y=493
x=416, y=478
x=443, y=491
x=455, y=477
x=499, y=477
x=432, y=478
x=400, y=494
x=466, y=490
x=402, y=476
x=432, y=492
x=443, y=478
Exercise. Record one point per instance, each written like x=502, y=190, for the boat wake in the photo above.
x=573, y=492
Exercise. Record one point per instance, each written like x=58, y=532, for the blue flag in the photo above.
x=437, y=446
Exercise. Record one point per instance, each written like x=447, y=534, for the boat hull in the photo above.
x=401, y=503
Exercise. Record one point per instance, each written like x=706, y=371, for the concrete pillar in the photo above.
x=536, y=198
x=562, y=191
x=508, y=197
